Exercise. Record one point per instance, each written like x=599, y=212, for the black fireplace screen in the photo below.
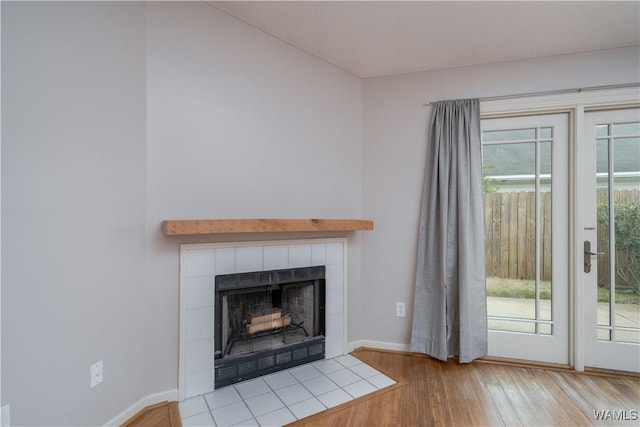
x=266, y=321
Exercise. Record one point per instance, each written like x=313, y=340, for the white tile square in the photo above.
x=293, y=394
x=334, y=276
x=299, y=256
x=194, y=406
x=249, y=259
x=276, y=257
x=232, y=414
x=306, y=408
x=335, y=398
x=199, y=292
x=318, y=254
x=319, y=385
x=222, y=397
x=198, y=383
x=251, y=388
x=277, y=418
x=334, y=301
x=225, y=260
x=364, y=370
x=199, y=323
x=200, y=262
x=334, y=340
x=200, y=420
x=264, y=403
x=280, y=380
x=335, y=253
x=381, y=381
x=359, y=389
x=327, y=366
x=199, y=355
x=344, y=377
x=348, y=360
x=305, y=372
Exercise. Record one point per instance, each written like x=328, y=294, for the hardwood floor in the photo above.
x=165, y=414
x=493, y=393
x=434, y=393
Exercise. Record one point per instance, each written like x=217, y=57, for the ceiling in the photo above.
x=379, y=38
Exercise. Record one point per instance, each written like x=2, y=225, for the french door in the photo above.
x=609, y=277
x=526, y=183
x=529, y=169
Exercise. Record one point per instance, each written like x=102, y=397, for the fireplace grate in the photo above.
x=266, y=321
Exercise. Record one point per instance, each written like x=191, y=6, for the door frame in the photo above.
x=575, y=104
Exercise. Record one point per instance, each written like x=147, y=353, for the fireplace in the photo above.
x=268, y=321
x=202, y=263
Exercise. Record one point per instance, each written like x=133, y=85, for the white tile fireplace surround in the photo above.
x=200, y=263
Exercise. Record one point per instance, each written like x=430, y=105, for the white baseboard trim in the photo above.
x=152, y=399
x=381, y=345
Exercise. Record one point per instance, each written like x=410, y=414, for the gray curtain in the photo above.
x=450, y=309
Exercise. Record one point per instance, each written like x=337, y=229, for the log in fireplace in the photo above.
x=266, y=321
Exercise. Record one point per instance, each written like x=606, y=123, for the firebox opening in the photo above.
x=267, y=321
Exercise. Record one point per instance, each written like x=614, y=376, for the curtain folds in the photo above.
x=450, y=312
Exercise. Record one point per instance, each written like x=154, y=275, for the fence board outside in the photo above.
x=510, y=234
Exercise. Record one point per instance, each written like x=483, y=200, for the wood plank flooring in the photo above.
x=485, y=394
x=434, y=393
x=165, y=414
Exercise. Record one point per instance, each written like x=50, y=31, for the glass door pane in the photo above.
x=518, y=223
x=525, y=166
x=610, y=207
x=618, y=230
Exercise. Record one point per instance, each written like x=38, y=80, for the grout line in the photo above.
x=276, y=395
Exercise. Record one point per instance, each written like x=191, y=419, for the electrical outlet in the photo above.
x=95, y=372
x=400, y=309
x=5, y=416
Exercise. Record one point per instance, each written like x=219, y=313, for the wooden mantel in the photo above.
x=187, y=227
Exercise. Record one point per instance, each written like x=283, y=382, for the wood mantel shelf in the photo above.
x=188, y=227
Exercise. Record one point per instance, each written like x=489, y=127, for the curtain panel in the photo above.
x=450, y=309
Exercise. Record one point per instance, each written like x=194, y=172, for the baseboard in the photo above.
x=152, y=399
x=380, y=345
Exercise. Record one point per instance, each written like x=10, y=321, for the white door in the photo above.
x=526, y=182
x=609, y=198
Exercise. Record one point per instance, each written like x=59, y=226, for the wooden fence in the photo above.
x=509, y=220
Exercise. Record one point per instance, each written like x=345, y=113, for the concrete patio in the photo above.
x=627, y=315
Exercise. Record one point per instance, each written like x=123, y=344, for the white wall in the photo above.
x=395, y=128
x=239, y=125
x=118, y=116
x=73, y=192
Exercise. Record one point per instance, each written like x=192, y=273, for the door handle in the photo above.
x=587, y=256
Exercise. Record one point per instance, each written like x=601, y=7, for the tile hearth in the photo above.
x=286, y=396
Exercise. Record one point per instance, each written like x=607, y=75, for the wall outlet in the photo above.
x=400, y=309
x=95, y=372
x=5, y=416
